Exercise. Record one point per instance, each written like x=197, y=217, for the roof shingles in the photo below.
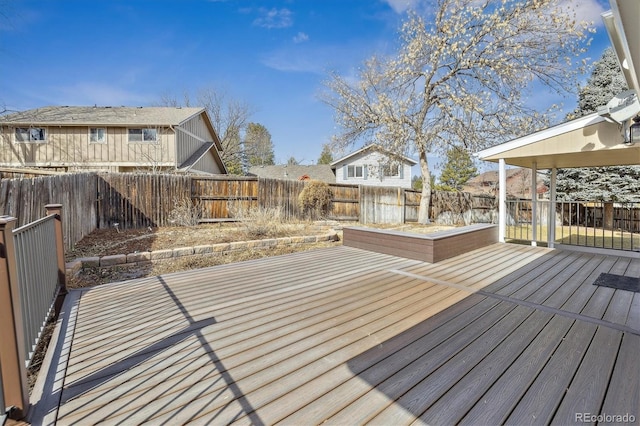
x=103, y=116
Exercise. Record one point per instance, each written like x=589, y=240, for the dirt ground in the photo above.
x=103, y=242
x=113, y=241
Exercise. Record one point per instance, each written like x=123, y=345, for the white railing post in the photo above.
x=534, y=204
x=551, y=228
x=502, y=200
x=12, y=349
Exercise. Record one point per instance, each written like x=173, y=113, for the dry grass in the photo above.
x=105, y=242
x=583, y=236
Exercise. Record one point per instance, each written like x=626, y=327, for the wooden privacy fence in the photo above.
x=226, y=198
x=122, y=200
x=138, y=200
x=222, y=198
x=25, y=199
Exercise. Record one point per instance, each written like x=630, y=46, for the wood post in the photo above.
x=12, y=349
x=608, y=216
x=56, y=210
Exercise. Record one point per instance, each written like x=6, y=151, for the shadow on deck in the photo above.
x=504, y=333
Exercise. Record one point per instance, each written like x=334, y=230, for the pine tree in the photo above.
x=457, y=170
x=258, y=146
x=325, y=156
x=620, y=183
x=605, y=82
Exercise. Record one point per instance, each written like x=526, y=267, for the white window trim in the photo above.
x=155, y=129
x=355, y=168
x=397, y=175
x=46, y=135
x=105, y=135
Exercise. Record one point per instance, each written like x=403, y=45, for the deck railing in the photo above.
x=597, y=224
x=32, y=276
x=38, y=280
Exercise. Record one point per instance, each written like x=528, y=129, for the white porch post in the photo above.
x=534, y=204
x=551, y=225
x=502, y=200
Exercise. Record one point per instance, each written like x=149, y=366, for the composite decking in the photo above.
x=502, y=334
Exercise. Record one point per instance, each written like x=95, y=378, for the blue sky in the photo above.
x=272, y=55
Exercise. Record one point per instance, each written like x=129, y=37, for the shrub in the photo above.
x=185, y=212
x=259, y=222
x=315, y=199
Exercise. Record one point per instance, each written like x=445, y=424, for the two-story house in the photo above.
x=116, y=139
x=373, y=165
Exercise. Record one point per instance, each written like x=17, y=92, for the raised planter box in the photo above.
x=425, y=247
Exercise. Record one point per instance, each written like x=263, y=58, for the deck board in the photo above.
x=475, y=382
x=496, y=403
x=623, y=394
x=344, y=335
x=544, y=394
x=589, y=385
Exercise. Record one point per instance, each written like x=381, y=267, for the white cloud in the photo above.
x=274, y=18
x=300, y=37
x=587, y=10
x=319, y=59
x=400, y=6
x=294, y=61
x=590, y=10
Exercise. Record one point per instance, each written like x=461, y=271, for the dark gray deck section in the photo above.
x=502, y=334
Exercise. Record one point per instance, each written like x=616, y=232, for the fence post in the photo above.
x=56, y=210
x=14, y=370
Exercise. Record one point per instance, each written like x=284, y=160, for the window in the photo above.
x=391, y=170
x=143, y=135
x=31, y=134
x=97, y=135
x=354, y=171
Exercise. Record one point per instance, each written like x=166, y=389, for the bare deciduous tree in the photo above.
x=458, y=78
x=229, y=118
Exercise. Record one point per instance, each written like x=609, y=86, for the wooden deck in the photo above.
x=503, y=334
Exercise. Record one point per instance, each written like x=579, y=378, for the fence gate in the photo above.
x=223, y=198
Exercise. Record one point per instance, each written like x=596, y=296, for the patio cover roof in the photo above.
x=589, y=141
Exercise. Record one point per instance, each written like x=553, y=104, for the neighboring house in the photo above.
x=116, y=139
x=518, y=183
x=320, y=172
x=372, y=165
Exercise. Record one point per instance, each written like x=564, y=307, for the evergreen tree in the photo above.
x=620, y=183
x=457, y=170
x=325, y=156
x=416, y=183
x=258, y=146
x=605, y=82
